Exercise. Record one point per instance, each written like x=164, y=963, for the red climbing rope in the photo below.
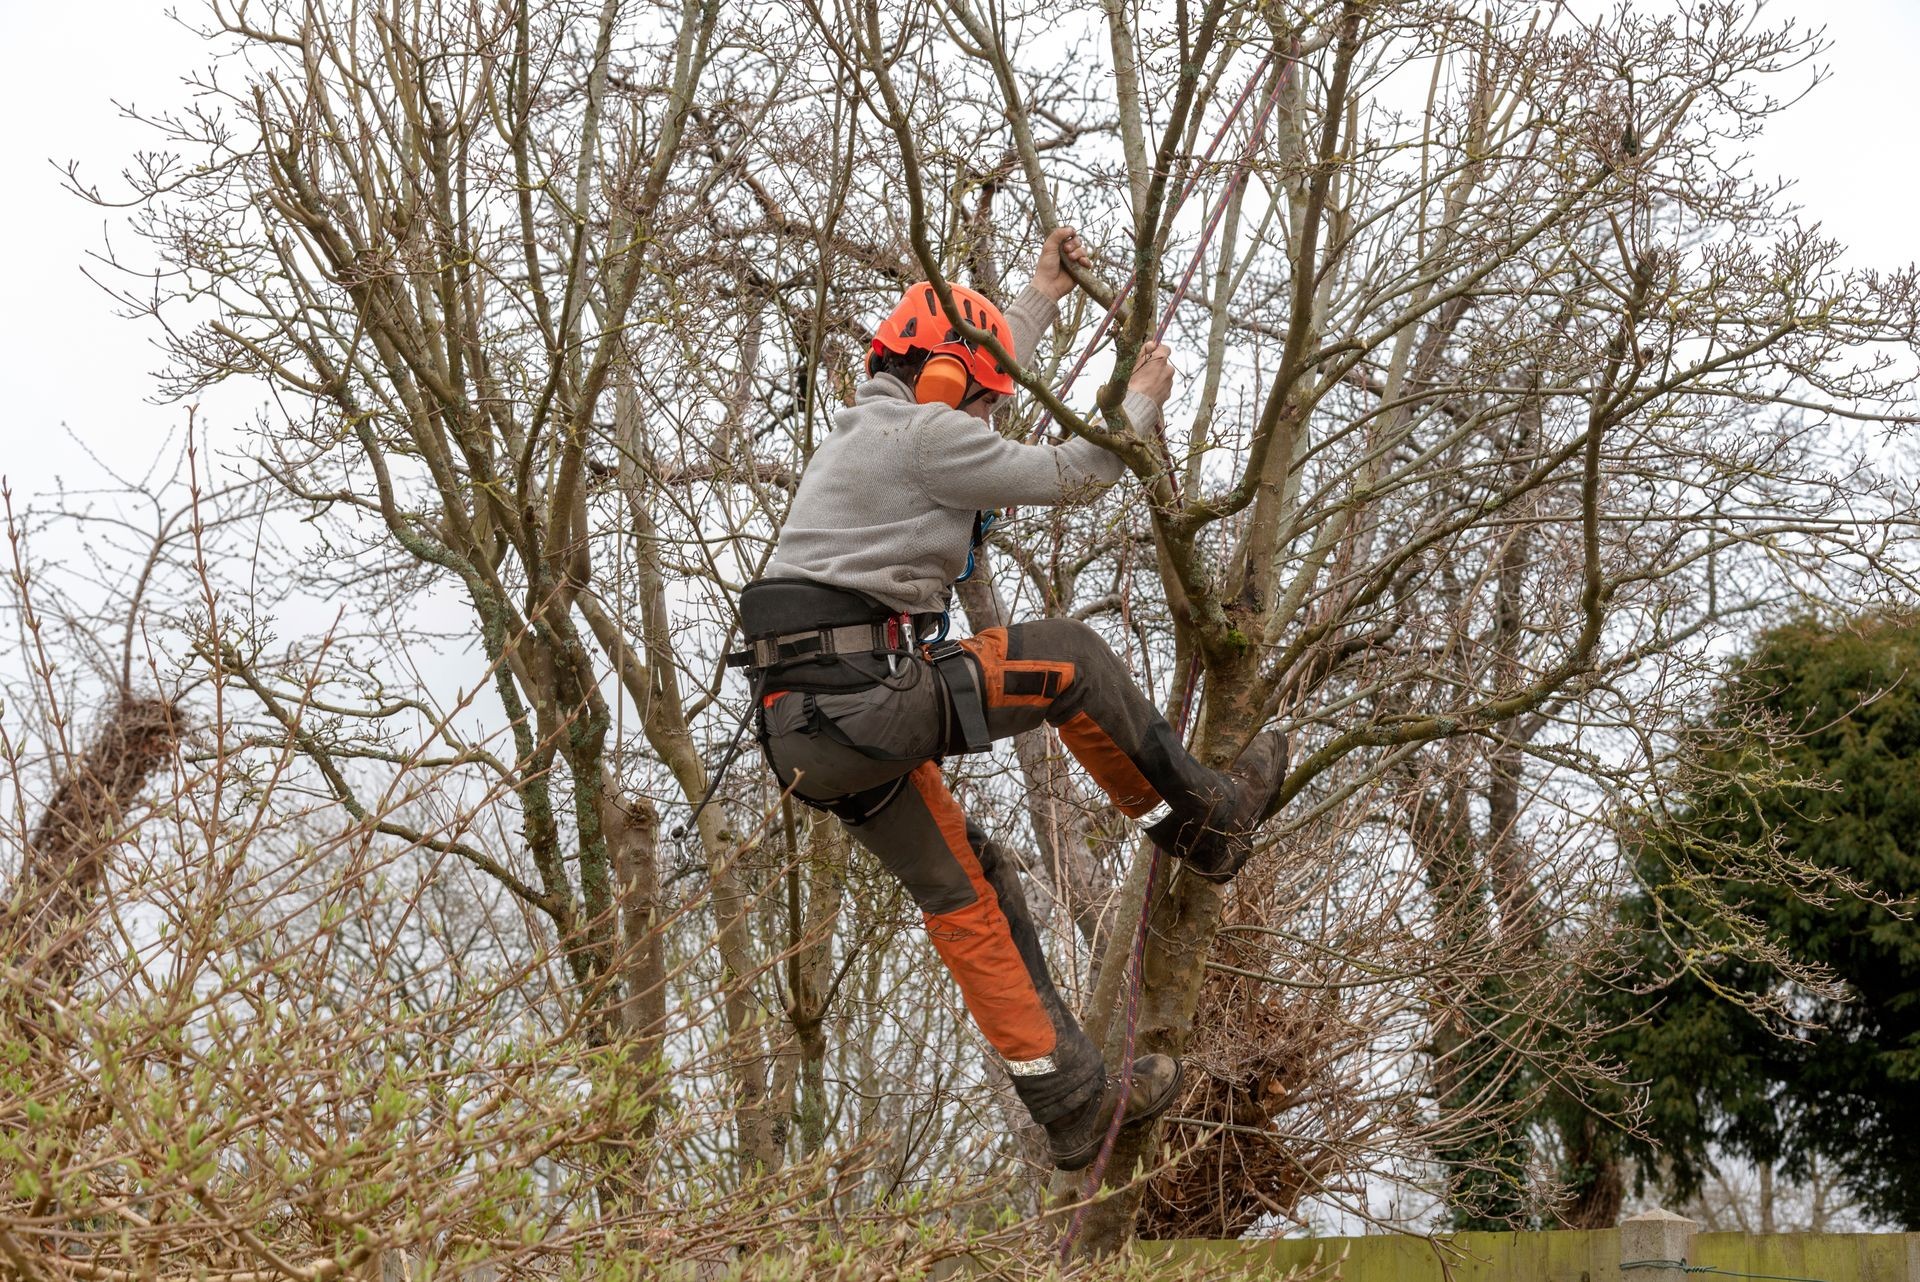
x=1206, y=235
x=1179, y=203
x=1137, y=955
x=1136, y=965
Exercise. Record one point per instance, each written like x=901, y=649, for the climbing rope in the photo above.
x=1136, y=960
x=1234, y=183
x=1136, y=964
x=1179, y=202
x=1211, y=226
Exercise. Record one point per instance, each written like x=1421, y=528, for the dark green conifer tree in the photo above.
x=1797, y=854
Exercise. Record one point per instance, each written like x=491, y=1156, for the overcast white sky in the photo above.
x=69, y=367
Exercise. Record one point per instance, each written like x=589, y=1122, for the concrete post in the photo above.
x=1654, y=1245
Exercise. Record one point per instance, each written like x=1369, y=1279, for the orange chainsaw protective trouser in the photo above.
x=875, y=753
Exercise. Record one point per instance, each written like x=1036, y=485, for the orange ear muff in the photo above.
x=943, y=380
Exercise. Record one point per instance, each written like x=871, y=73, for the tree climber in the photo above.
x=854, y=712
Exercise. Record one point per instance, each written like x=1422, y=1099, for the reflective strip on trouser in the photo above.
x=1060, y=671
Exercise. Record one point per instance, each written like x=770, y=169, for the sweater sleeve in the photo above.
x=961, y=462
x=1030, y=317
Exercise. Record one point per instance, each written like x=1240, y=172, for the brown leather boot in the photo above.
x=1217, y=846
x=1075, y=1140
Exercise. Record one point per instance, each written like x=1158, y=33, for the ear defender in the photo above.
x=943, y=380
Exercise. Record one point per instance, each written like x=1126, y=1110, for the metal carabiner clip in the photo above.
x=898, y=625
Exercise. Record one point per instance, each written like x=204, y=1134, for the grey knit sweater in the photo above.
x=886, y=504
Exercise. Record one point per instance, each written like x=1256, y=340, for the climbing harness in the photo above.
x=964, y=696
x=806, y=639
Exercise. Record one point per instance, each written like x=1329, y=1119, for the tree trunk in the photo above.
x=632, y=825
x=1185, y=918
x=64, y=865
x=810, y=971
x=1599, y=1183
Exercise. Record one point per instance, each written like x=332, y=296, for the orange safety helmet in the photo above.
x=919, y=324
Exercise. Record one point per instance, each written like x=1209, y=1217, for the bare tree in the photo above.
x=431, y=233
x=1515, y=397
x=1508, y=399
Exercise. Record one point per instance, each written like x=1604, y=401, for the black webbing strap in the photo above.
x=859, y=807
x=883, y=636
x=955, y=666
x=713, y=785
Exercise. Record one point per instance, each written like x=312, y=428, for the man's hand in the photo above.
x=1050, y=276
x=1153, y=373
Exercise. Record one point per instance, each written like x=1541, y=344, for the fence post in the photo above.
x=1655, y=1246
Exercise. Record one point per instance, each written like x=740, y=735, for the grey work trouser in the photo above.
x=875, y=751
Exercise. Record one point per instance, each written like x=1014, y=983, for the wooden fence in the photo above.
x=1655, y=1247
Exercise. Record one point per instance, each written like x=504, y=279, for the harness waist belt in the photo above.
x=788, y=607
x=883, y=636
